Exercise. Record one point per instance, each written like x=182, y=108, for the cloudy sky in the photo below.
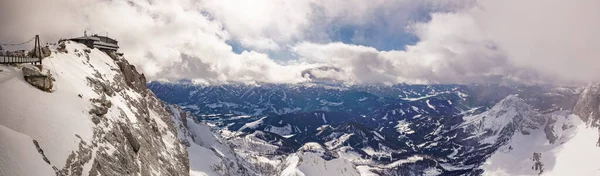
x=355, y=41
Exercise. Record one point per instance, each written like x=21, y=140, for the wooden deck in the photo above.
x=19, y=60
x=37, y=49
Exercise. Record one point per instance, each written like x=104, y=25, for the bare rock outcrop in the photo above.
x=133, y=132
x=133, y=79
x=45, y=52
x=588, y=105
x=138, y=139
x=36, y=78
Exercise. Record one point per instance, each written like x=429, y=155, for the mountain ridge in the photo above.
x=425, y=123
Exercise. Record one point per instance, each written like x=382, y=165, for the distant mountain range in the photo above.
x=387, y=130
x=99, y=118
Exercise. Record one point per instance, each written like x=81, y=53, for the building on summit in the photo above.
x=103, y=43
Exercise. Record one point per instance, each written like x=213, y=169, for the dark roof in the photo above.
x=104, y=45
x=86, y=38
x=96, y=41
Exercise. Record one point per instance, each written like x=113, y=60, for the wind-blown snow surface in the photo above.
x=558, y=143
x=301, y=164
x=52, y=119
x=574, y=153
x=129, y=138
x=205, y=150
x=19, y=156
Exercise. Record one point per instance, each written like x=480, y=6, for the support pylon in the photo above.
x=38, y=48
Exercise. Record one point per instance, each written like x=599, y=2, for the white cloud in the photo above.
x=558, y=38
x=451, y=50
x=188, y=39
x=256, y=21
x=168, y=39
x=261, y=44
x=269, y=24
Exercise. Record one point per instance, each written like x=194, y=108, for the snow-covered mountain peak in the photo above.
x=513, y=102
x=312, y=147
x=502, y=120
x=588, y=105
x=98, y=120
x=532, y=143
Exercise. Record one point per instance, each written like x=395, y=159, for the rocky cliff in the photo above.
x=99, y=119
x=588, y=105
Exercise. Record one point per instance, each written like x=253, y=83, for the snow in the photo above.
x=221, y=104
x=252, y=125
x=18, y=155
x=323, y=127
x=429, y=105
x=424, y=97
x=348, y=153
x=206, y=150
x=469, y=111
x=499, y=116
x=201, y=161
x=402, y=112
x=323, y=117
x=192, y=93
x=385, y=117
x=312, y=147
x=574, y=153
x=450, y=167
x=382, y=152
x=60, y=120
x=253, y=144
x=32, y=114
x=282, y=131
x=289, y=110
x=403, y=128
x=328, y=103
x=365, y=171
x=398, y=163
x=239, y=117
x=292, y=166
x=289, y=136
x=308, y=163
x=432, y=171
x=415, y=108
x=40, y=115
x=313, y=164
x=454, y=152
x=378, y=135
x=461, y=95
x=580, y=155
x=339, y=141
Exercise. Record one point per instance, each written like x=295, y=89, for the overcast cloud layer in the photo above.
x=459, y=41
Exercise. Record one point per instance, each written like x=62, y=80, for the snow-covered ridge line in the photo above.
x=100, y=119
x=532, y=143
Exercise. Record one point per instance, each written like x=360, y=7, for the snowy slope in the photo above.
x=19, y=156
x=558, y=143
x=308, y=163
x=517, y=156
x=213, y=156
x=509, y=116
x=574, y=153
x=94, y=121
x=579, y=156
x=43, y=116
